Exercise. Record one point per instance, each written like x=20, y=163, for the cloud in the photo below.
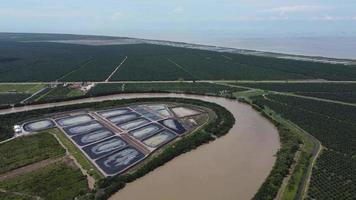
x=284, y=10
x=31, y=14
x=118, y=15
x=257, y=18
x=333, y=18
x=178, y=10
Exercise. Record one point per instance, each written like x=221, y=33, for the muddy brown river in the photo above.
x=231, y=167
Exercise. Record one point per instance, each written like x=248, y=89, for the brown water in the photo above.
x=232, y=167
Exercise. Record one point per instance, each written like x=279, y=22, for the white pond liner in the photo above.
x=84, y=128
x=115, y=112
x=134, y=124
x=74, y=120
x=184, y=111
x=38, y=125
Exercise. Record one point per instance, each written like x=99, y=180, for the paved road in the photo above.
x=185, y=81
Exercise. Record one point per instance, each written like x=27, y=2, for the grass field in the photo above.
x=15, y=93
x=21, y=88
x=27, y=150
x=55, y=182
x=79, y=156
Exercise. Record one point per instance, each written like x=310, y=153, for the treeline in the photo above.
x=290, y=143
x=207, y=89
x=285, y=158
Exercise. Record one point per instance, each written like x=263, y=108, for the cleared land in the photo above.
x=27, y=150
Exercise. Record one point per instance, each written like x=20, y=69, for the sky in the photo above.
x=182, y=20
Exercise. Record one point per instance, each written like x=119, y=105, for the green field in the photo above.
x=15, y=93
x=54, y=182
x=79, y=156
x=20, y=88
x=23, y=151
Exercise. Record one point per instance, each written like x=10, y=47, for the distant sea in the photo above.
x=333, y=47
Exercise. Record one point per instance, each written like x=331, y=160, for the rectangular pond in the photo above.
x=114, y=112
x=119, y=161
x=159, y=139
x=39, y=125
x=91, y=137
x=134, y=124
x=146, y=131
x=74, y=120
x=83, y=128
x=105, y=147
x=119, y=119
x=174, y=125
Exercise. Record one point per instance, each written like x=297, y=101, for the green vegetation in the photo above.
x=294, y=184
x=78, y=155
x=59, y=61
x=229, y=66
x=15, y=93
x=59, y=93
x=20, y=88
x=11, y=196
x=334, y=125
x=195, y=88
x=153, y=68
x=56, y=182
x=333, y=177
x=12, y=98
x=27, y=61
x=27, y=150
x=345, y=92
x=285, y=158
